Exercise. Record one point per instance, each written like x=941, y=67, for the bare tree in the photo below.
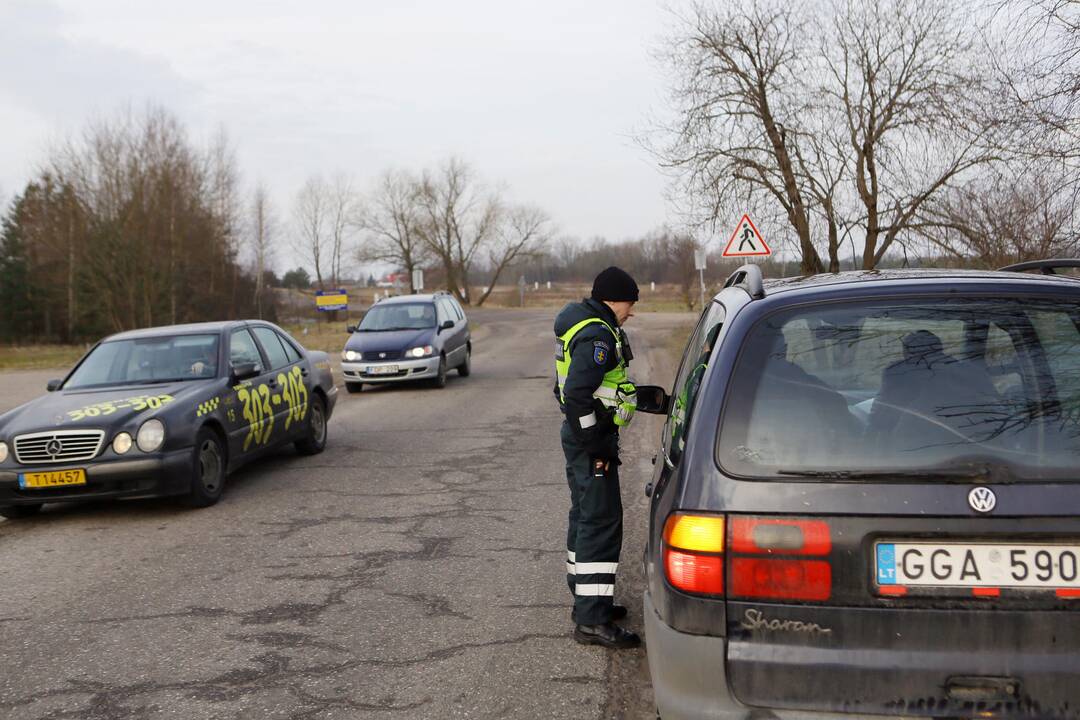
x=905, y=74
x=1041, y=71
x=392, y=224
x=312, y=234
x=458, y=218
x=738, y=70
x=822, y=160
x=522, y=233
x=343, y=212
x=1005, y=218
x=262, y=234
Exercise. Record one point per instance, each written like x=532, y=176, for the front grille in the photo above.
x=61, y=446
x=376, y=355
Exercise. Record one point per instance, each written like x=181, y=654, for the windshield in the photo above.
x=947, y=388
x=146, y=361
x=400, y=316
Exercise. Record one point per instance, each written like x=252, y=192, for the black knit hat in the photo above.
x=615, y=285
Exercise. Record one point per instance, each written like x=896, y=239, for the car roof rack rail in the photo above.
x=747, y=277
x=1046, y=267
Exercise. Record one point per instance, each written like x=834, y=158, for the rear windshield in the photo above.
x=927, y=389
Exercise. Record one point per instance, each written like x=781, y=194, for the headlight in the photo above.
x=3, y=452
x=121, y=443
x=420, y=351
x=151, y=435
x=351, y=355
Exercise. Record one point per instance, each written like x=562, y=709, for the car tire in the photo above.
x=465, y=368
x=18, y=512
x=209, y=464
x=315, y=441
x=440, y=379
x=354, y=387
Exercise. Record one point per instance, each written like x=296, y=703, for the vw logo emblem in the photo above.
x=54, y=447
x=982, y=499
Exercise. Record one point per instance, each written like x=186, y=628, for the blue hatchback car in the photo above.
x=410, y=337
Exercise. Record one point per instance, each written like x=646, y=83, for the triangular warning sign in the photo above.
x=746, y=240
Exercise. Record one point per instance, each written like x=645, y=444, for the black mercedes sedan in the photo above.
x=167, y=411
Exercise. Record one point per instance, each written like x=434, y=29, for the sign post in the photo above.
x=418, y=279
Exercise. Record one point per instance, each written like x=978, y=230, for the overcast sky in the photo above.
x=544, y=97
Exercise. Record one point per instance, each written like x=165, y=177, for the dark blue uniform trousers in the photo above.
x=594, y=533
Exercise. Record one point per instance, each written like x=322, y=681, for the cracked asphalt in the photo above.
x=412, y=570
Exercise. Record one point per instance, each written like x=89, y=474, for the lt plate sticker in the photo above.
x=886, y=564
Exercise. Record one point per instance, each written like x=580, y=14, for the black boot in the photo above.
x=609, y=635
x=618, y=612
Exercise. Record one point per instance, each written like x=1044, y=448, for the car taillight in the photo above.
x=693, y=553
x=786, y=572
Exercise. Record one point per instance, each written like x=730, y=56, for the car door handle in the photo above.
x=304, y=371
x=271, y=383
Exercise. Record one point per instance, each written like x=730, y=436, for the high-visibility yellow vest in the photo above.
x=615, y=390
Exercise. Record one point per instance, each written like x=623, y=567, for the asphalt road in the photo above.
x=412, y=570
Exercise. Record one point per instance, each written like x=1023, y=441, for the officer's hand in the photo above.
x=605, y=447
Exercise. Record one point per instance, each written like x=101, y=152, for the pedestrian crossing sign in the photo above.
x=746, y=241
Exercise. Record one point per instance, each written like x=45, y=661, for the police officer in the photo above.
x=597, y=399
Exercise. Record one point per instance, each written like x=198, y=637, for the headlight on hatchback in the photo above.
x=3, y=452
x=419, y=352
x=351, y=355
x=121, y=443
x=151, y=435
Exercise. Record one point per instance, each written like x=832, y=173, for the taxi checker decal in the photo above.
x=258, y=405
x=138, y=403
x=205, y=408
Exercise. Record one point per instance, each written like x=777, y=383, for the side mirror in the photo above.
x=53, y=385
x=350, y=329
x=243, y=371
x=447, y=325
x=653, y=399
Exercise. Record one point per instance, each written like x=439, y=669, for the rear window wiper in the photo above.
x=974, y=473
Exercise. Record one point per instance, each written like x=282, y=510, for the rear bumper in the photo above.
x=407, y=370
x=687, y=671
x=158, y=476
x=690, y=681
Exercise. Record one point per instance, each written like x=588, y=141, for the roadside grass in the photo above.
x=39, y=357
x=675, y=343
x=328, y=337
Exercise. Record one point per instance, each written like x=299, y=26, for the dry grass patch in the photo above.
x=39, y=357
